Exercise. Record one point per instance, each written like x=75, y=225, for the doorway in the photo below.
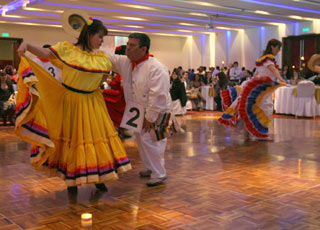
x=8, y=54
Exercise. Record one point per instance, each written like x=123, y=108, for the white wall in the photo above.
x=168, y=49
x=221, y=49
x=251, y=47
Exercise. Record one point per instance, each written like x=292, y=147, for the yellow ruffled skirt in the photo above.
x=71, y=133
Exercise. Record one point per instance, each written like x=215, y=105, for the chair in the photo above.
x=306, y=102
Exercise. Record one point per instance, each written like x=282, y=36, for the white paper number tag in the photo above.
x=133, y=117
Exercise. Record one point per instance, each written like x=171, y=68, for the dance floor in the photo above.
x=217, y=179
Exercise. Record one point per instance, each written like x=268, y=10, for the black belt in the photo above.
x=77, y=90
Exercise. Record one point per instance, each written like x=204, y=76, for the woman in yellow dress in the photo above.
x=68, y=124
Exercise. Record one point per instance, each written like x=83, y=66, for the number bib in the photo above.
x=133, y=117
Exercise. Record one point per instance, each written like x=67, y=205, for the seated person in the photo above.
x=7, y=102
x=194, y=94
x=222, y=83
x=178, y=94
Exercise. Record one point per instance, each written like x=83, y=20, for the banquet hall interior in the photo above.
x=217, y=177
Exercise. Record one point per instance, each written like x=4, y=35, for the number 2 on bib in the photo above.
x=133, y=117
x=132, y=120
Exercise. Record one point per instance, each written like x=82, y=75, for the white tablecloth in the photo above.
x=210, y=104
x=285, y=102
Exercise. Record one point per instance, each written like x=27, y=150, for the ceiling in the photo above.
x=175, y=17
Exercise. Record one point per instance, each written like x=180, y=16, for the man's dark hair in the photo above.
x=87, y=30
x=144, y=40
x=236, y=63
x=46, y=46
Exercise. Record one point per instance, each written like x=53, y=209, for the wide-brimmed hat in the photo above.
x=314, y=61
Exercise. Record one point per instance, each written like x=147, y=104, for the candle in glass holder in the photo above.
x=86, y=220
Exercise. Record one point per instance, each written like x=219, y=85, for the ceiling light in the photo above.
x=228, y=28
x=187, y=31
x=187, y=24
x=144, y=13
x=295, y=17
x=132, y=26
x=132, y=18
x=164, y=34
x=137, y=6
x=199, y=14
x=43, y=10
x=288, y=7
x=32, y=24
x=261, y=12
x=157, y=5
x=275, y=23
x=11, y=16
x=202, y=3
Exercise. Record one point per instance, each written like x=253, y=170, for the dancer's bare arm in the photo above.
x=38, y=51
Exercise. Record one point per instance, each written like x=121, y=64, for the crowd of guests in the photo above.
x=8, y=79
x=186, y=84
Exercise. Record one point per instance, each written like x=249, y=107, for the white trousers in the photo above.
x=152, y=153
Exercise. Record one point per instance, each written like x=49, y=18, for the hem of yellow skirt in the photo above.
x=91, y=179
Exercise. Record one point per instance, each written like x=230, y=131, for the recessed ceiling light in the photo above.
x=227, y=28
x=202, y=3
x=11, y=16
x=42, y=10
x=261, y=12
x=31, y=24
x=275, y=23
x=198, y=14
x=187, y=31
x=137, y=6
x=132, y=18
x=187, y=24
x=295, y=17
x=132, y=26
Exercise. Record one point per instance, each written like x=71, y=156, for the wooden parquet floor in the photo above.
x=216, y=180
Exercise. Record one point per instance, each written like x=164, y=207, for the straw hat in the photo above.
x=314, y=61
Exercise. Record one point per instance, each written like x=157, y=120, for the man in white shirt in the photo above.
x=146, y=83
x=235, y=72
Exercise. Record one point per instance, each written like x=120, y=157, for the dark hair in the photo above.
x=236, y=63
x=144, y=40
x=8, y=70
x=46, y=46
x=249, y=72
x=273, y=42
x=87, y=30
x=121, y=50
x=223, y=80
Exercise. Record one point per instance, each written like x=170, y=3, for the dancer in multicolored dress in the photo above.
x=254, y=105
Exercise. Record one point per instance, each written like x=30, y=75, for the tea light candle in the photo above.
x=86, y=220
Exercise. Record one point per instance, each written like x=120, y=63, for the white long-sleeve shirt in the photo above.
x=147, y=84
x=235, y=73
